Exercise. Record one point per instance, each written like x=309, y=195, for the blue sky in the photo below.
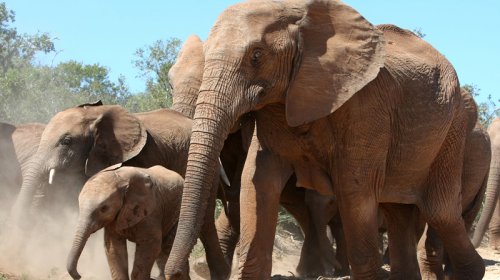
x=109, y=31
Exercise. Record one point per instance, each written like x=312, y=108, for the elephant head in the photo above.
x=310, y=56
x=116, y=197
x=185, y=76
x=78, y=142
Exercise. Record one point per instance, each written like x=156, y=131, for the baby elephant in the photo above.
x=141, y=205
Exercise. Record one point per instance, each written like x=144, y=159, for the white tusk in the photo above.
x=223, y=174
x=51, y=175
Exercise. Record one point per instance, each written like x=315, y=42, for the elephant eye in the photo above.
x=104, y=209
x=256, y=55
x=66, y=141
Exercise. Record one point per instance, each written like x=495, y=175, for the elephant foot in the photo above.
x=342, y=272
x=200, y=266
x=161, y=276
x=473, y=270
x=495, y=243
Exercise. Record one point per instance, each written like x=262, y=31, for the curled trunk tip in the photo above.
x=76, y=250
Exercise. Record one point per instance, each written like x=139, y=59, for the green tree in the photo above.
x=18, y=48
x=154, y=62
x=487, y=110
x=92, y=82
x=36, y=93
x=31, y=92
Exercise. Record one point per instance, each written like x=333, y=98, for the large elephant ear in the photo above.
x=186, y=74
x=189, y=63
x=339, y=53
x=138, y=202
x=118, y=136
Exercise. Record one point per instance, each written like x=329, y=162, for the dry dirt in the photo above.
x=285, y=260
x=45, y=258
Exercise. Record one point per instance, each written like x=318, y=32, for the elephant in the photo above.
x=17, y=145
x=130, y=203
x=371, y=114
x=80, y=141
x=491, y=209
x=307, y=207
x=476, y=165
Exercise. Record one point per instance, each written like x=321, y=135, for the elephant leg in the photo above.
x=219, y=269
x=262, y=182
x=228, y=233
x=495, y=227
x=401, y=221
x=116, y=253
x=161, y=261
x=335, y=225
x=430, y=255
x=146, y=252
x=441, y=206
x=292, y=199
x=356, y=193
x=321, y=256
x=228, y=224
x=360, y=221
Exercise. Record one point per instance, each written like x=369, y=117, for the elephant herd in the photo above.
x=303, y=104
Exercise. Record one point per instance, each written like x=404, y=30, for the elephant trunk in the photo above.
x=81, y=236
x=492, y=193
x=31, y=181
x=212, y=123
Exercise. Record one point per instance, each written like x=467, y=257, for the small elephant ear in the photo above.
x=340, y=52
x=118, y=137
x=138, y=203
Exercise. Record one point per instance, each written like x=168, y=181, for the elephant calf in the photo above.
x=141, y=205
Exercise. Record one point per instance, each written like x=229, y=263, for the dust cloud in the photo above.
x=41, y=252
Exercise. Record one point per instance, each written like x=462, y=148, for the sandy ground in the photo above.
x=286, y=259
x=51, y=264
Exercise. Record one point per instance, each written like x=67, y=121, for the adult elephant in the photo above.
x=81, y=141
x=17, y=145
x=491, y=209
x=371, y=114
x=312, y=211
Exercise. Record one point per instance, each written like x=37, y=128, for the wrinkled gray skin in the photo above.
x=135, y=204
x=312, y=210
x=80, y=141
x=17, y=145
x=490, y=215
x=370, y=114
x=476, y=166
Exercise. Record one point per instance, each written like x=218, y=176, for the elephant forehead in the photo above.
x=244, y=24
x=103, y=181
x=67, y=121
